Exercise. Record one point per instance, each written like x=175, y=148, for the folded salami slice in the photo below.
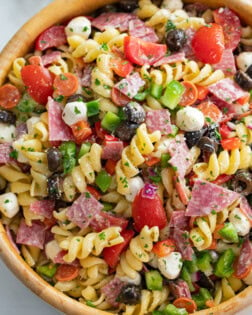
x=207, y=198
x=113, y=19
x=58, y=130
x=31, y=235
x=137, y=28
x=179, y=220
x=5, y=150
x=179, y=288
x=177, y=57
x=245, y=207
x=181, y=238
x=111, y=290
x=245, y=258
x=58, y=259
x=227, y=63
x=43, y=207
x=130, y=85
x=112, y=150
x=83, y=210
x=50, y=58
x=104, y=220
x=159, y=120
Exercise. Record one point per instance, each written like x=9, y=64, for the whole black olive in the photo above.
x=54, y=187
x=60, y=204
x=212, y=132
x=176, y=39
x=128, y=5
x=242, y=182
x=238, y=50
x=126, y=130
x=204, y=281
x=134, y=112
x=243, y=80
x=193, y=137
x=249, y=71
x=7, y=117
x=206, y=144
x=130, y=294
x=76, y=98
x=53, y=159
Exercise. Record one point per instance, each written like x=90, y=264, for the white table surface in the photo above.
x=15, y=298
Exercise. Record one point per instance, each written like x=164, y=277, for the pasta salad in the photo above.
x=125, y=157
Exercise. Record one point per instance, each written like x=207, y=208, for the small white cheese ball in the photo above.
x=136, y=280
x=135, y=184
x=244, y=60
x=153, y=262
x=9, y=204
x=52, y=249
x=190, y=119
x=240, y=221
x=172, y=5
x=74, y=112
x=30, y=123
x=8, y=133
x=171, y=265
x=79, y=26
x=248, y=279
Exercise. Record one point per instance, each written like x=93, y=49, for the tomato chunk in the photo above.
x=38, y=81
x=190, y=94
x=147, y=209
x=164, y=248
x=141, y=52
x=112, y=254
x=66, y=84
x=52, y=37
x=210, y=50
x=188, y=304
x=100, y=132
x=231, y=143
x=66, y=272
x=94, y=192
x=225, y=131
x=81, y=131
x=9, y=96
x=110, y=166
x=121, y=67
x=222, y=179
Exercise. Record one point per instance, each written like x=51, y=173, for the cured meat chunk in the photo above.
x=83, y=210
x=58, y=259
x=208, y=197
x=52, y=37
x=105, y=220
x=177, y=57
x=86, y=75
x=137, y=28
x=245, y=258
x=245, y=207
x=111, y=291
x=130, y=85
x=159, y=120
x=5, y=150
x=50, y=58
x=179, y=220
x=227, y=63
x=112, y=150
x=31, y=235
x=43, y=207
x=116, y=20
x=181, y=238
x=179, y=288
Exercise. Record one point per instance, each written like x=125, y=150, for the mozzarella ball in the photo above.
x=74, y=112
x=30, y=123
x=79, y=26
x=136, y=281
x=190, y=119
x=9, y=204
x=244, y=60
x=172, y=5
x=8, y=133
x=240, y=221
x=171, y=265
x=135, y=184
x=52, y=249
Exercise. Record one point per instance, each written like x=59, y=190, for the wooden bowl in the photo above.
x=56, y=12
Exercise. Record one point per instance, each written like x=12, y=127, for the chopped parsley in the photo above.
x=76, y=110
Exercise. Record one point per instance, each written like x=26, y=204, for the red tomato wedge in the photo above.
x=184, y=302
x=121, y=67
x=112, y=254
x=66, y=273
x=147, y=209
x=151, y=160
x=118, y=98
x=231, y=143
x=210, y=111
x=231, y=25
x=244, y=274
x=94, y=192
x=66, y=84
x=225, y=131
x=222, y=179
x=100, y=132
x=190, y=94
x=9, y=96
x=110, y=166
x=141, y=52
x=164, y=248
x=202, y=92
x=81, y=131
x=208, y=43
x=243, y=100
x=52, y=37
x=38, y=81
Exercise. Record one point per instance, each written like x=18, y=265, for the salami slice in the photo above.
x=112, y=150
x=227, y=63
x=207, y=198
x=187, y=49
x=58, y=130
x=181, y=238
x=245, y=259
x=31, y=235
x=50, y=58
x=104, y=220
x=83, y=210
x=21, y=130
x=111, y=291
x=130, y=85
x=231, y=25
x=159, y=120
x=113, y=19
x=58, y=259
x=86, y=75
x=118, y=98
x=245, y=207
x=43, y=207
x=5, y=150
x=137, y=28
x=179, y=219
x=179, y=288
x=177, y=57
x=52, y=37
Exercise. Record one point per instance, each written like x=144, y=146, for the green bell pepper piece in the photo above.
x=175, y=130
x=156, y=90
x=154, y=280
x=121, y=114
x=103, y=180
x=224, y=265
x=26, y=104
x=191, y=265
x=165, y=157
x=172, y=94
x=84, y=149
x=92, y=108
x=185, y=275
x=204, y=261
x=107, y=206
x=47, y=270
x=157, y=313
x=110, y=121
x=68, y=151
x=201, y=298
x=141, y=96
x=170, y=309
x=229, y=233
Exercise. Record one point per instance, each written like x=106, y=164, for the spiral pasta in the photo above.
x=224, y=163
x=226, y=289
x=140, y=246
x=146, y=9
x=95, y=297
x=243, y=130
x=122, y=206
x=246, y=36
x=133, y=156
x=15, y=74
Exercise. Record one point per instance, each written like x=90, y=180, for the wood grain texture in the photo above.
x=22, y=41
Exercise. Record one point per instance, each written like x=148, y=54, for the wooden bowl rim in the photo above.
x=58, y=11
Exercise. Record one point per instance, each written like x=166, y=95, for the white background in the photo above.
x=15, y=298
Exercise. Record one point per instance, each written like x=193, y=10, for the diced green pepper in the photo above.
x=204, y=262
x=26, y=104
x=157, y=313
x=103, y=180
x=229, y=233
x=165, y=157
x=191, y=265
x=121, y=114
x=90, y=304
x=201, y=298
x=107, y=206
x=224, y=265
x=85, y=148
x=93, y=108
x=156, y=90
x=175, y=130
x=110, y=121
x=154, y=280
x=47, y=270
x=172, y=94
x=141, y=96
x=68, y=151
x=170, y=309
x=185, y=275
